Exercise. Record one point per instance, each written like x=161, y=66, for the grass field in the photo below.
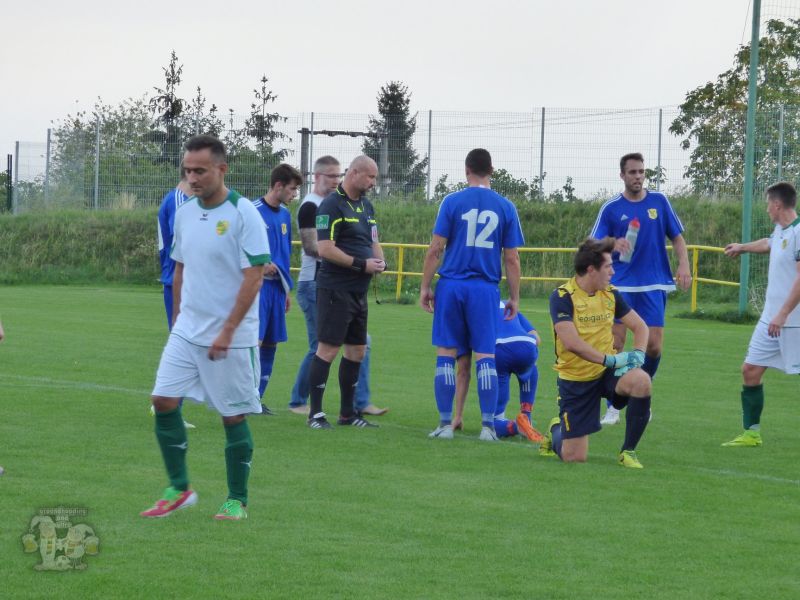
x=387, y=513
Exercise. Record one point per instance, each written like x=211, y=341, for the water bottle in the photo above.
x=630, y=236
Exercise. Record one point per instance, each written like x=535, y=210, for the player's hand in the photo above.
x=511, y=309
x=288, y=303
x=621, y=245
x=219, y=347
x=683, y=277
x=616, y=361
x=457, y=423
x=635, y=359
x=775, y=326
x=374, y=265
x=270, y=269
x=734, y=250
x=426, y=299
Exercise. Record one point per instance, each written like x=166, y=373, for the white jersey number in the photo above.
x=486, y=217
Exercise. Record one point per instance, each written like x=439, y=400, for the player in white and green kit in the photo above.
x=776, y=339
x=220, y=249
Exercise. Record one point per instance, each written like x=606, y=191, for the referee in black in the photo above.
x=347, y=235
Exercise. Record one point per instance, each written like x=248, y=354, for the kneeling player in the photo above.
x=516, y=351
x=583, y=312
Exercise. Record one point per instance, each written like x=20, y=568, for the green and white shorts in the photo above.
x=782, y=352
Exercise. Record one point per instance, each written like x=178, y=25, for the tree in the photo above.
x=167, y=108
x=712, y=119
x=395, y=122
x=260, y=125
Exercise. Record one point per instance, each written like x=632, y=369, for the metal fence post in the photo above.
x=541, y=158
x=304, y=153
x=9, y=185
x=780, y=144
x=430, y=123
x=96, y=198
x=311, y=144
x=15, y=189
x=47, y=169
x=658, y=168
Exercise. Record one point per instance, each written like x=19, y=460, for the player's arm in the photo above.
x=513, y=274
x=638, y=327
x=307, y=228
x=573, y=342
x=177, y=283
x=253, y=276
x=755, y=247
x=329, y=251
x=432, y=258
x=684, y=273
x=777, y=323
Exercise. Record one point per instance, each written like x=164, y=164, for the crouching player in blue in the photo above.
x=274, y=300
x=583, y=311
x=516, y=351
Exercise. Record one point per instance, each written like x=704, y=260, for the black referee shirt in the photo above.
x=351, y=225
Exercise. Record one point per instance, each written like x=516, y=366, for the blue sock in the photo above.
x=505, y=428
x=487, y=390
x=555, y=432
x=650, y=365
x=444, y=387
x=267, y=355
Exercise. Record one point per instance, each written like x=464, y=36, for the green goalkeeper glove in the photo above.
x=616, y=361
x=635, y=359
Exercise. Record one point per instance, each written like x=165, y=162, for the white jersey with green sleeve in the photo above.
x=214, y=246
x=784, y=255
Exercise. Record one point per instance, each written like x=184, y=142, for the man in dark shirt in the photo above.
x=347, y=243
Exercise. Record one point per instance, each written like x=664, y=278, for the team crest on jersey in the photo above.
x=222, y=227
x=652, y=213
x=283, y=228
x=322, y=221
x=784, y=243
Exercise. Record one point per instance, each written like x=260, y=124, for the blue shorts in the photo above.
x=168, y=305
x=272, y=313
x=518, y=358
x=648, y=305
x=579, y=403
x=465, y=314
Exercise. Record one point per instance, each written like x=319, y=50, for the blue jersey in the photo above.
x=513, y=328
x=166, y=231
x=649, y=268
x=478, y=223
x=279, y=232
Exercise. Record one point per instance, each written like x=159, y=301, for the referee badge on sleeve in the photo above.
x=322, y=221
x=374, y=233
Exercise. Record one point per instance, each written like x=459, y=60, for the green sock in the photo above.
x=752, y=405
x=171, y=436
x=238, y=454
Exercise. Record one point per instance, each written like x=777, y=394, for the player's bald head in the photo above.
x=363, y=163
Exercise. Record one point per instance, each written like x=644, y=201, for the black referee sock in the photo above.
x=348, y=380
x=636, y=421
x=317, y=378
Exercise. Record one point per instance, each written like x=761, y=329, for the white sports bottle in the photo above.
x=630, y=236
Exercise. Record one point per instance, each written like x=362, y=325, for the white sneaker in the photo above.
x=443, y=432
x=611, y=417
x=488, y=434
x=188, y=425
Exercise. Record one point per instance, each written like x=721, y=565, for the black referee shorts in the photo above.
x=341, y=317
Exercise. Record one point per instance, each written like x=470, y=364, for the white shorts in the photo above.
x=228, y=386
x=782, y=352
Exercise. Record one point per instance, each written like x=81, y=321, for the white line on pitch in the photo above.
x=81, y=385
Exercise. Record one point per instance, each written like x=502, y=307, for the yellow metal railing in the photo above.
x=400, y=273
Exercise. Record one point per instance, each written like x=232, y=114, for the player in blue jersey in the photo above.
x=516, y=353
x=274, y=298
x=647, y=278
x=476, y=230
x=166, y=232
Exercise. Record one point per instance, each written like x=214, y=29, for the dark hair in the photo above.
x=285, y=174
x=479, y=162
x=630, y=156
x=325, y=161
x=201, y=142
x=590, y=254
x=784, y=192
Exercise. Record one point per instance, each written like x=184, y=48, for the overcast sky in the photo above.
x=503, y=55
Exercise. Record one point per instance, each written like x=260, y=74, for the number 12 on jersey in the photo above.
x=489, y=220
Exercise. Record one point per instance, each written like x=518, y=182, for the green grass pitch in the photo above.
x=387, y=513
